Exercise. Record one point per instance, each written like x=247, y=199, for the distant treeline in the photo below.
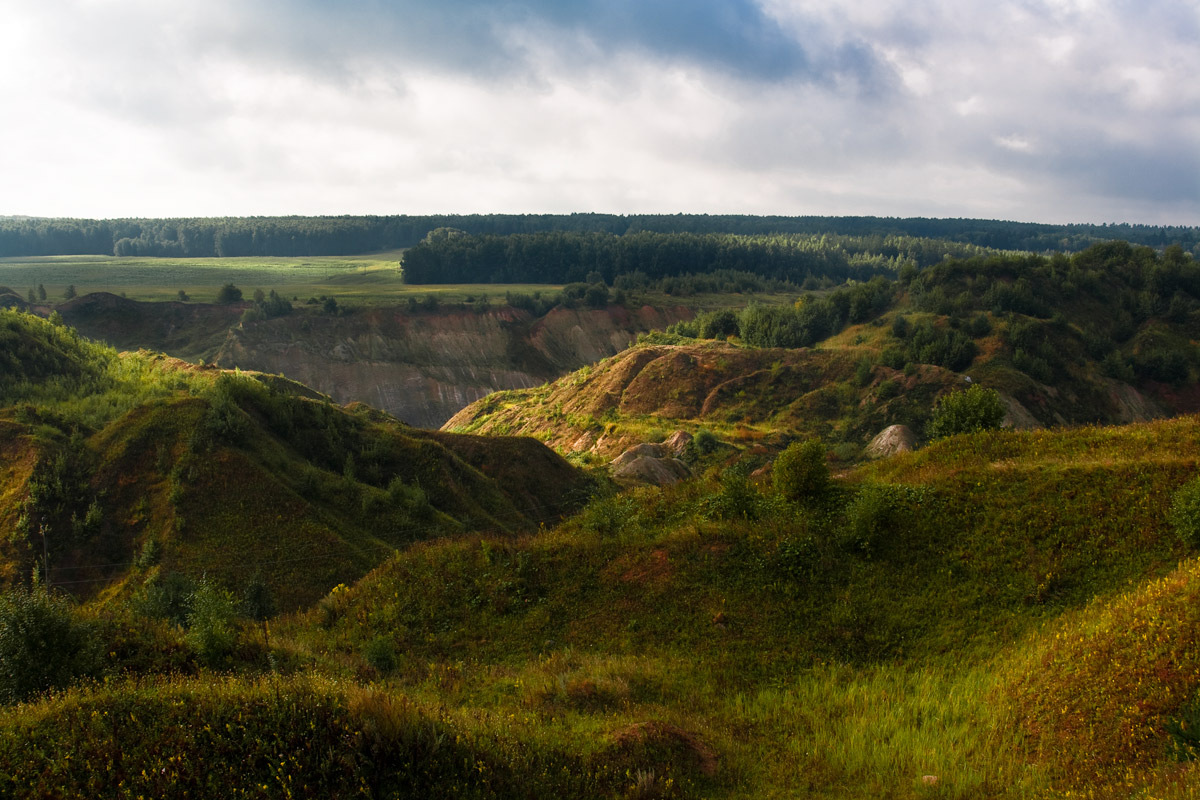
x=347, y=235
x=448, y=255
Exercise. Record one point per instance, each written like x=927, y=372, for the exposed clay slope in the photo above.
x=751, y=394
x=421, y=367
x=715, y=385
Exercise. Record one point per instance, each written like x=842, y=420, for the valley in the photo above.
x=379, y=547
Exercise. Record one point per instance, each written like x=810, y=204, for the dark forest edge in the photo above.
x=348, y=235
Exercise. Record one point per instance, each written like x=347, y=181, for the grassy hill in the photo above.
x=1001, y=615
x=1104, y=336
x=122, y=468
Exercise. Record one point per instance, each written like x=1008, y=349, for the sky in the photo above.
x=1031, y=110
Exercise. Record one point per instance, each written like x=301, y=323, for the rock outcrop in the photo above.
x=891, y=440
x=656, y=464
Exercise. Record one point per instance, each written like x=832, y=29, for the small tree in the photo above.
x=801, y=472
x=69, y=294
x=970, y=411
x=212, y=628
x=41, y=293
x=229, y=294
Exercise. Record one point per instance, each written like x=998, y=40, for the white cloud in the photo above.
x=1085, y=111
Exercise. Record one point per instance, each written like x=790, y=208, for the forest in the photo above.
x=345, y=235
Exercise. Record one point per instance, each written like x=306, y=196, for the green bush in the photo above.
x=870, y=519
x=704, y=442
x=969, y=411
x=166, y=596
x=229, y=294
x=1185, y=512
x=801, y=472
x=737, y=497
x=212, y=623
x=380, y=653
x=43, y=645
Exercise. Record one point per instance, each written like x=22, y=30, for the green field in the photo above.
x=354, y=280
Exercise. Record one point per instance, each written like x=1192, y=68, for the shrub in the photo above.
x=166, y=596
x=1185, y=512
x=229, y=294
x=969, y=411
x=380, y=653
x=718, y=325
x=212, y=628
x=737, y=497
x=870, y=519
x=704, y=442
x=43, y=645
x=801, y=472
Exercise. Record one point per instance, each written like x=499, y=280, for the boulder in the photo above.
x=677, y=443
x=646, y=450
x=655, y=471
x=891, y=440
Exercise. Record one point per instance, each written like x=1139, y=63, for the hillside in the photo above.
x=421, y=366
x=1009, y=613
x=1106, y=336
x=914, y=630
x=124, y=468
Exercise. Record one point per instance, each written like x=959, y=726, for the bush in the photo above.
x=870, y=519
x=704, y=442
x=1185, y=512
x=737, y=497
x=976, y=409
x=380, y=653
x=212, y=623
x=43, y=645
x=801, y=472
x=166, y=596
x=718, y=325
x=229, y=294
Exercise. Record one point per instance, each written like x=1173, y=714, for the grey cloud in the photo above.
x=734, y=37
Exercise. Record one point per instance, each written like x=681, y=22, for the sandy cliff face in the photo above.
x=424, y=367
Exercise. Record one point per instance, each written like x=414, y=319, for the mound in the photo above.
x=717, y=385
x=122, y=468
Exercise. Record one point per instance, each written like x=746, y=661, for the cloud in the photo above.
x=1065, y=109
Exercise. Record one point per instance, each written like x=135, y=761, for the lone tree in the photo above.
x=975, y=409
x=229, y=294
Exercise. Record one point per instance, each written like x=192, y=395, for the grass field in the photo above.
x=354, y=280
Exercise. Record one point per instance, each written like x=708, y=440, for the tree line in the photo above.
x=450, y=255
x=347, y=235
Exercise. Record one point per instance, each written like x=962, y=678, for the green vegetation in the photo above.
x=971, y=410
x=278, y=597
x=316, y=236
x=918, y=620
x=800, y=472
x=43, y=645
